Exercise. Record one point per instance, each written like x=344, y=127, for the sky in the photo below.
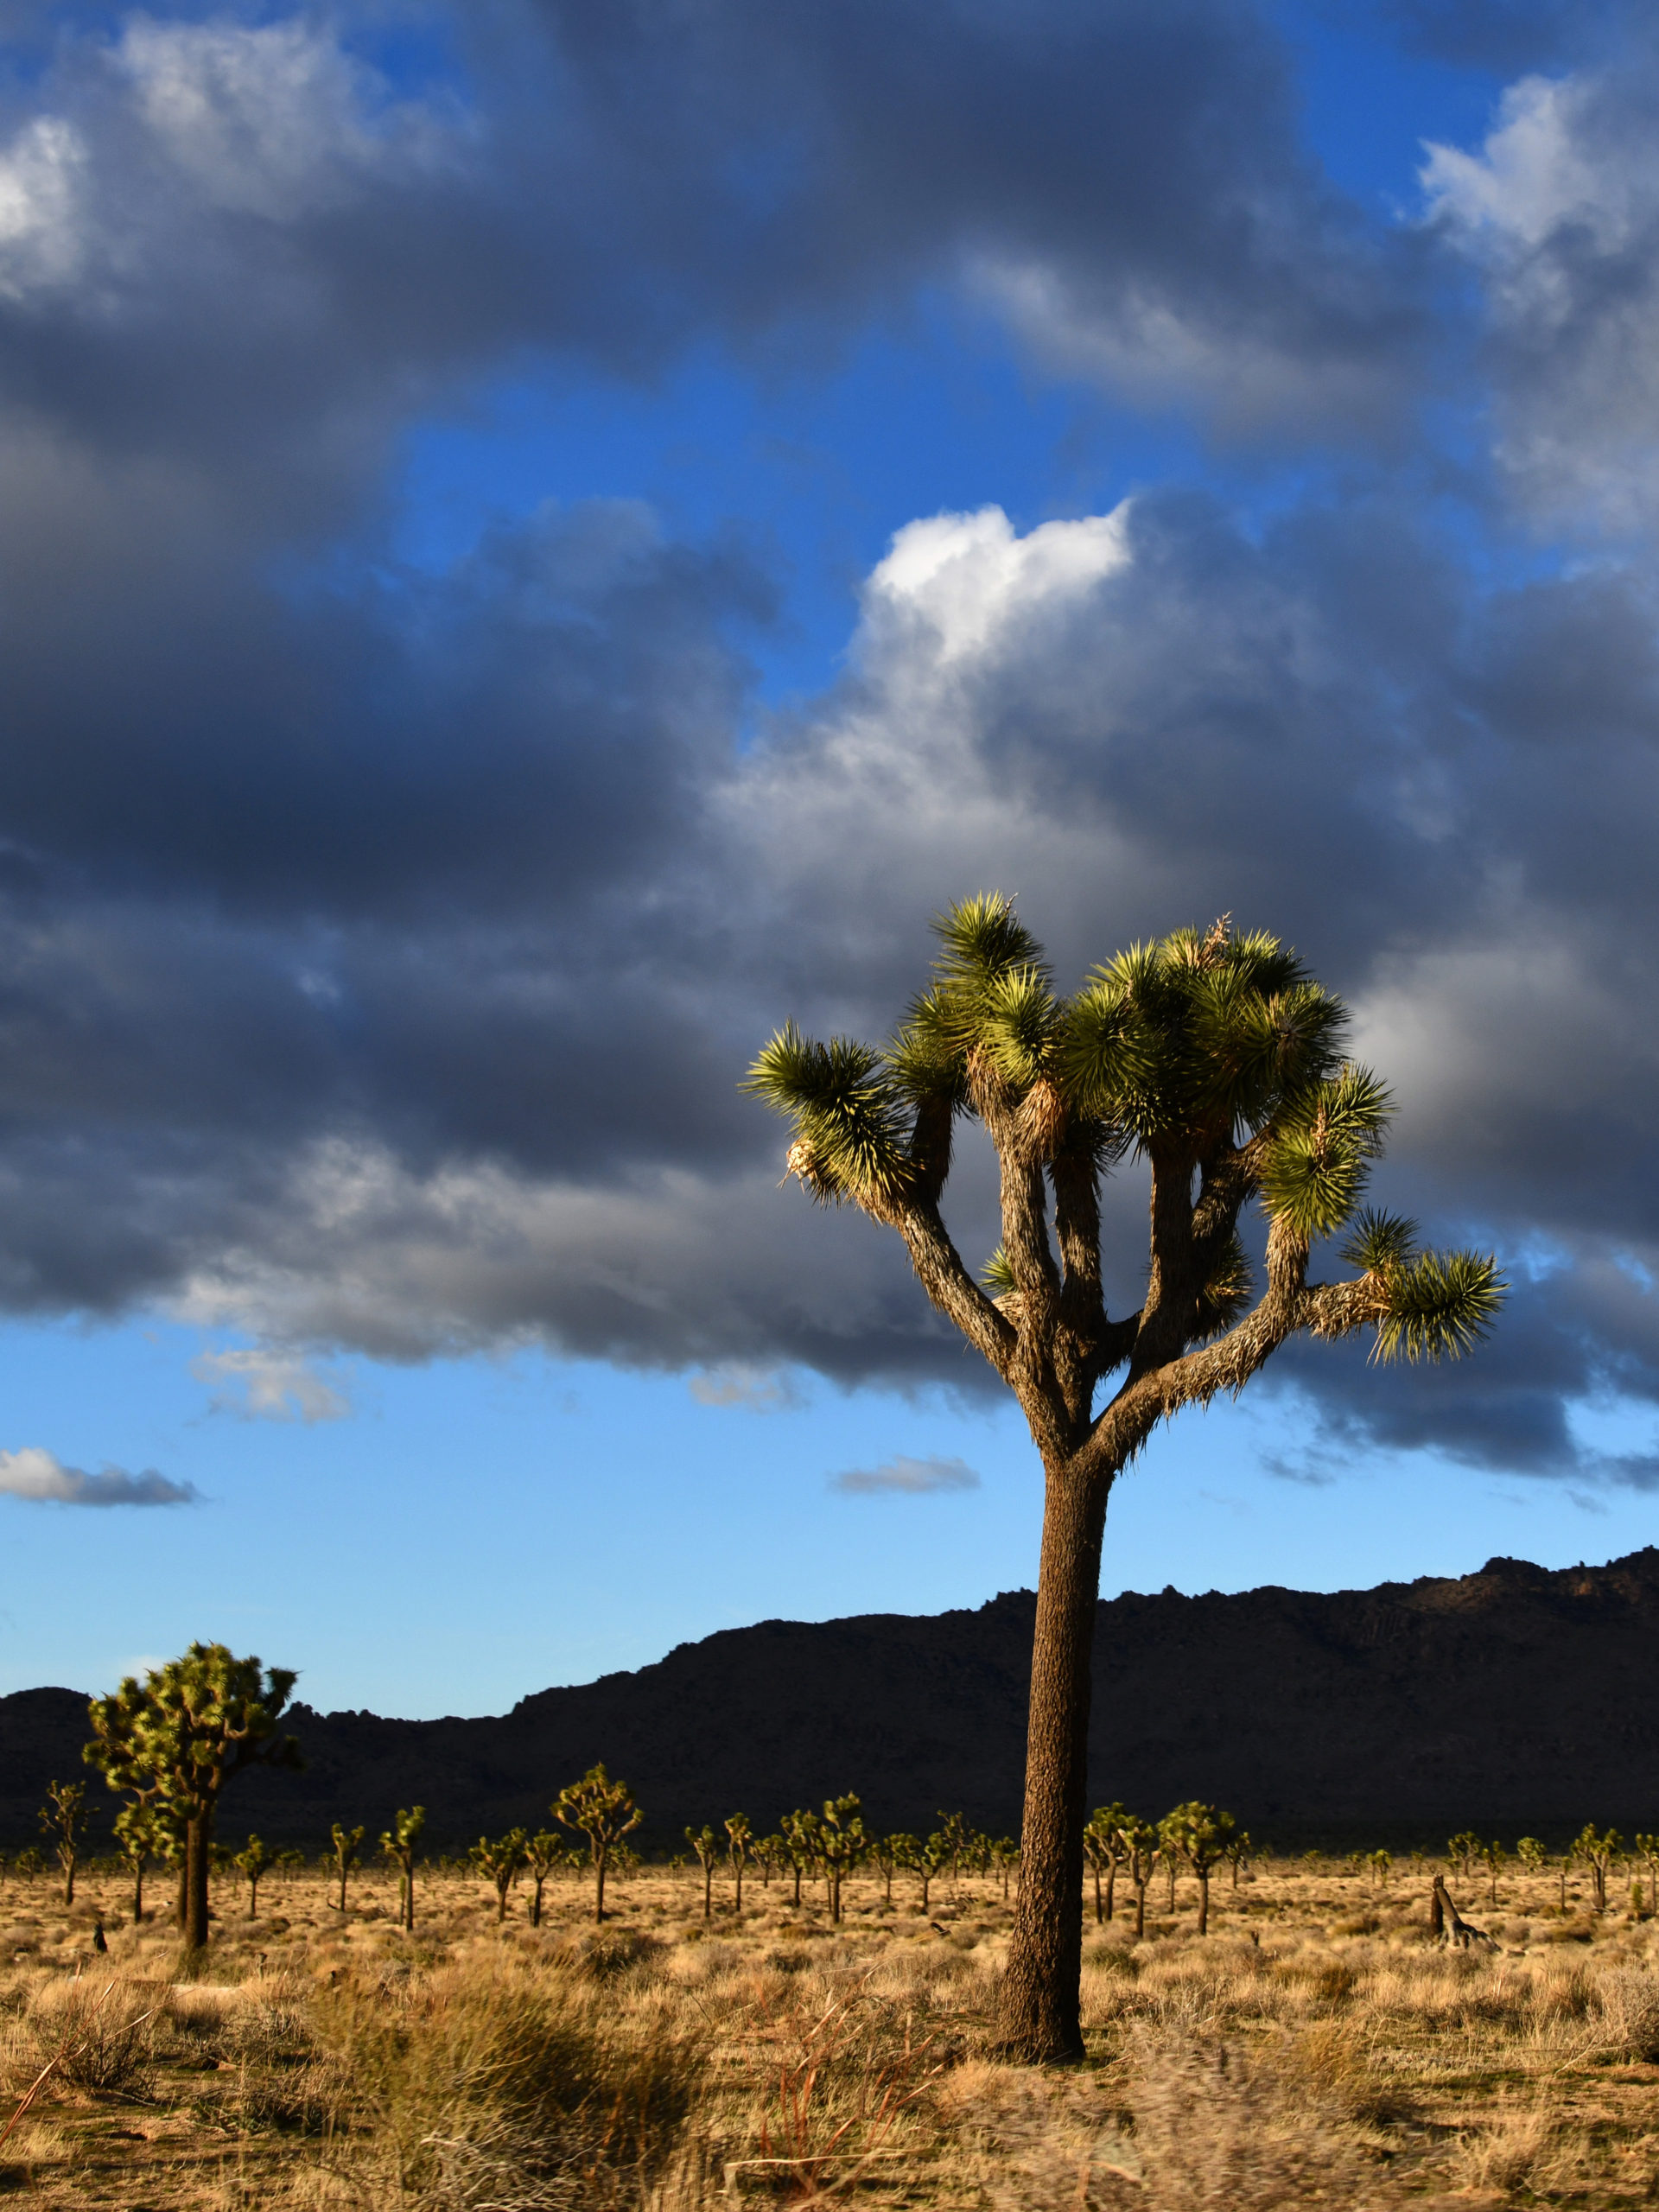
x=539, y=539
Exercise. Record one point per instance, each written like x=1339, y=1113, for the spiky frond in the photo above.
x=1440, y=1307
x=1252, y=1048
x=1226, y=1294
x=1199, y=1030
x=984, y=939
x=1020, y=1026
x=848, y=1117
x=1324, y=1143
x=997, y=1275
x=1380, y=1242
x=925, y=1059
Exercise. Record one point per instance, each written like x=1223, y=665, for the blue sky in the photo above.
x=470, y=681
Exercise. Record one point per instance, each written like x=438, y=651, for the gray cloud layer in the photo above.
x=378, y=950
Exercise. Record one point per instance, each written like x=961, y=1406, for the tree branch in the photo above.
x=939, y=1270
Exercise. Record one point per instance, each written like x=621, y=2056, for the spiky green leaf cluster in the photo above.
x=1194, y=1033
x=1440, y=1305
x=1325, y=1139
x=848, y=1114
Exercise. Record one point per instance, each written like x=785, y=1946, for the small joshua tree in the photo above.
x=1139, y=1841
x=544, y=1852
x=887, y=1854
x=347, y=1844
x=1599, y=1850
x=1646, y=1848
x=739, y=1835
x=1241, y=1849
x=398, y=1843
x=956, y=1837
x=500, y=1861
x=1381, y=1863
x=1103, y=1848
x=843, y=1841
x=1217, y=1060
x=64, y=1818
x=800, y=1834
x=706, y=1845
x=254, y=1859
x=1463, y=1850
x=1494, y=1857
x=603, y=1811
x=141, y=1834
x=178, y=1737
x=1201, y=1835
x=1005, y=1856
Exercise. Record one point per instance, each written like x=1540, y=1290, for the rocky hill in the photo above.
x=1510, y=1699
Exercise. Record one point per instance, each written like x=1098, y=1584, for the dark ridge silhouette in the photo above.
x=1507, y=1700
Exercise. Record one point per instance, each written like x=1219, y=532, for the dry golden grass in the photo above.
x=1314, y=2050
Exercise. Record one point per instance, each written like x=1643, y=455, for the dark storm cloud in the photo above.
x=379, y=948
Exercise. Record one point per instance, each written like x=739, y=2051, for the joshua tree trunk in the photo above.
x=1111, y=1886
x=536, y=1901
x=1204, y=1901
x=253, y=1897
x=1100, y=1903
x=708, y=1887
x=1140, y=1909
x=138, y=1893
x=599, y=1889
x=1039, y=2000
x=797, y=1899
x=198, y=1839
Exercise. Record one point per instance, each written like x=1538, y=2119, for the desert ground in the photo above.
x=1317, y=2047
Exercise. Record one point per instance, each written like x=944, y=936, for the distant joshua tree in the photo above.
x=500, y=1862
x=842, y=1840
x=1646, y=1848
x=1463, y=1850
x=1201, y=1834
x=800, y=1834
x=1219, y=1060
x=1005, y=1856
x=1140, y=1840
x=398, y=1843
x=887, y=1854
x=603, y=1811
x=64, y=1818
x=1381, y=1863
x=738, y=1836
x=1599, y=1850
x=542, y=1852
x=1103, y=1848
x=1241, y=1850
x=1493, y=1857
x=930, y=1857
x=347, y=1843
x=706, y=1844
x=254, y=1860
x=141, y=1834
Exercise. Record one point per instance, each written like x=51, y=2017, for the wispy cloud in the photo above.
x=43, y=1479
x=762, y=1390
x=907, y=1477
x=262, y=1385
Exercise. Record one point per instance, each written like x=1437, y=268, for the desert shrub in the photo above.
x=102, y=2036
x=605, y=1957
x=484, y=2086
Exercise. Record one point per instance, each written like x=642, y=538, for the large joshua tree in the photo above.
x=173, y=1741
x=1217, y=1060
